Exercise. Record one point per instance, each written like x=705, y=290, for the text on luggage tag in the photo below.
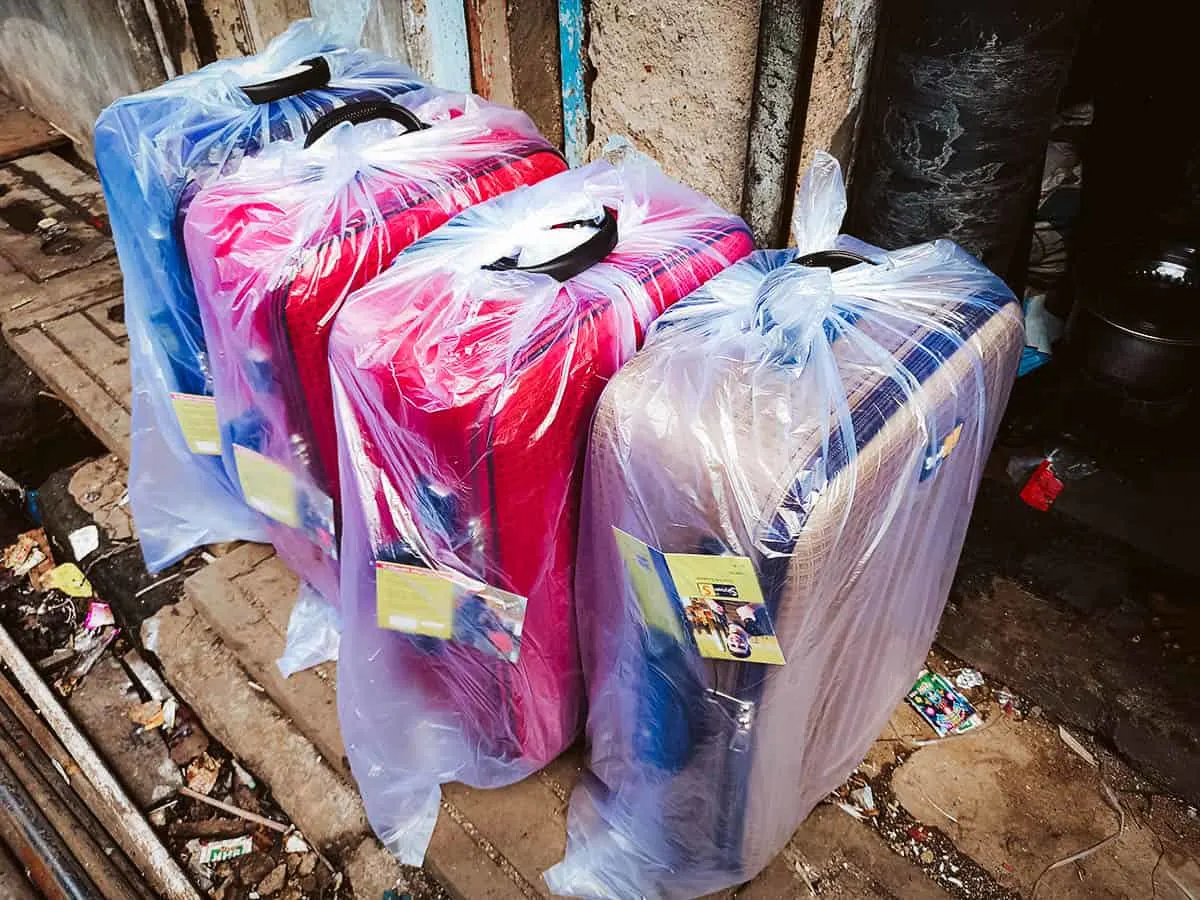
x=273, y=489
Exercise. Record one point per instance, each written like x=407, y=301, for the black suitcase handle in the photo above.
x=315, y=74
x=576, y=260
x=834, y=260
x=363, y=111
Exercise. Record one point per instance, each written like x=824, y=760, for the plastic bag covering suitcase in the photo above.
x=154, y=150
x=276, y=248
x=464, y=380
x=831, y=427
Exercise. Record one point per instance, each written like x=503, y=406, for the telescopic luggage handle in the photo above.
x=363, y=111
x=578, y=259
x=313, y=74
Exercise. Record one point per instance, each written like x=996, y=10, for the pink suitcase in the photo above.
x=466, y=382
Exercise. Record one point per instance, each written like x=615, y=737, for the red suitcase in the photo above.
x=466, y=377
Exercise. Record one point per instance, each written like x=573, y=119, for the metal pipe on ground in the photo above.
x=787, y=46
x=33, y=841
x=38, y=746
x=13, y=883
x=95, y=862
x=112, y=806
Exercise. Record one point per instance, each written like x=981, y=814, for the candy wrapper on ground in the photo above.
x=276, y=248
x=465, y=377
x=823, y=423
x=154, y=151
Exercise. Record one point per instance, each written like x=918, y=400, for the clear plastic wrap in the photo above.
x=154, y=151
x=314, y=633
x=276, y=248
x=465, y=377
x=791, y=461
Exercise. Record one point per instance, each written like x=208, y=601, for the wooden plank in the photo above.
x=25, y=303
x=536, y=66
x=437, y=42
x=181, y=51
x=98, y=354
x=527, y=79
x=491, y=53
x=386, y=31
x=224, y=26
x=109, y=316
x=143, y=50
x=211, y=678
x=83, y=394
x=573, y=66
x=207, y=675
x=73, y=187
x=243, y=619
x=22, y=132
x=271, y=18
x=27, y=198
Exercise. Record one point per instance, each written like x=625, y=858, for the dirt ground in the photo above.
x=1009, y=810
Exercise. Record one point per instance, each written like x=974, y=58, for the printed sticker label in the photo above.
x=197, y=417
x=268, y=486
x=718, y=597
x=275, y=491
x=724, y=607
x=219, y=851
x=450, y=607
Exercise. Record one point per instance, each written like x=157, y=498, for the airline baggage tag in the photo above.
x=197, y=417
x=450, y=607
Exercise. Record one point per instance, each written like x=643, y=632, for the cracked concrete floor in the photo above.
x=988, y=815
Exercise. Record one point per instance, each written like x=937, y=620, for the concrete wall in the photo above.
x=676, y=78
x=68, y=59
x=844, y=47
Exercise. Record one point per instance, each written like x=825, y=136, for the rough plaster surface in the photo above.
x=677, y=78
x=843, y=55
x=68, y=59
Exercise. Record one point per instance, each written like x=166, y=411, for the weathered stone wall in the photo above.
x=677, y=79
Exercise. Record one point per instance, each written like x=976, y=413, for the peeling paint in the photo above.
x=446, y=22
x=436, y=33
x=574, y=100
